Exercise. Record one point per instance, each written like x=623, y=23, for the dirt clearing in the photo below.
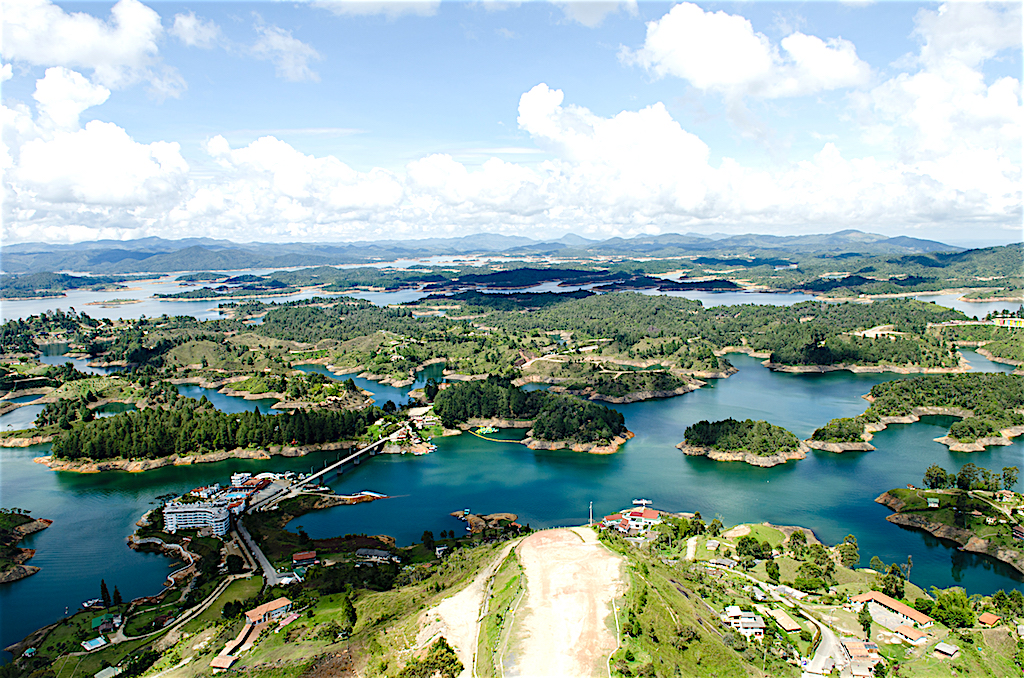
x=571, y=580
x=456, y=618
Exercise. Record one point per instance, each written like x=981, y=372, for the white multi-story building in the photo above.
x=197, y=515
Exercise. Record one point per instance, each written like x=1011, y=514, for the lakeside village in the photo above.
x=753, y=559
x=762, y=584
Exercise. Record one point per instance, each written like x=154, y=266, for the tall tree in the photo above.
x=864, y=617
x=1009, y=477
x=117, y=597
x=104, y=593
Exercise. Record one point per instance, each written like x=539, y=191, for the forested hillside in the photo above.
x=994, y=399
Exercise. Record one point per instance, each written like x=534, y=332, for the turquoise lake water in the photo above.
x=832, y=494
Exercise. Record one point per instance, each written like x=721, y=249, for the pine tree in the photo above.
x=117, y=597
x=104, y=593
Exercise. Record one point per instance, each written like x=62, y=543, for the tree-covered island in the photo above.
x=555, y=421
x=990, y=408
x=758, y=443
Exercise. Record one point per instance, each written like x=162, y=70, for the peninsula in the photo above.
x=15, y=525
x=974, y=508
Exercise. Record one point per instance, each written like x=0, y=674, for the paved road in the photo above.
x=829, y=652
x=270, y=575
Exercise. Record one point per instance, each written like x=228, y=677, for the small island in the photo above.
x=758, y=443
x=15, y=525
x=975, y=508
x=990, y=407
x=555, y=421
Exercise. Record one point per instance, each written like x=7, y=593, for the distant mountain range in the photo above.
x=157, y=255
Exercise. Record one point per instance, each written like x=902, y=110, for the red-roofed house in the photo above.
x=910, y=635
x=612, y=520
x=989, y=619
x=268, y=611
x=643, y=519
x=904, y=613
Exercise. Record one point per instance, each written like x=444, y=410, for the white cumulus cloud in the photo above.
x=591, y=13
x=63, y=94
x=120, y=52
x=389, y=8
x=721, y=52
x=101, y=164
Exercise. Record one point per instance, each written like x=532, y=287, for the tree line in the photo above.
x=192, y=426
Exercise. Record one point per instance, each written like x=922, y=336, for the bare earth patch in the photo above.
x=737, y=532
x=571, y=580
x=456, y=618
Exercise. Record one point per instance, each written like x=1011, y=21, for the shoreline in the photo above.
x=964, y=366
x=20, y=570
x=610, y=447
x=142, y=465
x=747, y=457
x=967, y=540
x=634, y=397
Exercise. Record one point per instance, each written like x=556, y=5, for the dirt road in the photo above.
x=562, y=627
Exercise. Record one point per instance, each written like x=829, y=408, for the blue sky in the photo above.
x=366, y=120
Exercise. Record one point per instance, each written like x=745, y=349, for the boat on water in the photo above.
x=92, y=602
x=486, y=429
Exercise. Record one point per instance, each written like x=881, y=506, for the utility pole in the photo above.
x=591, y=513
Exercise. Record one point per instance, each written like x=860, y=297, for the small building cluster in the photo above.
x=862, y=657
x=632, y=521
x=210, y=508
x=748, y=624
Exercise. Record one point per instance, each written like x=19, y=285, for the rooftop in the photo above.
x=257, y=613
x=909, y=632
x=895, y=605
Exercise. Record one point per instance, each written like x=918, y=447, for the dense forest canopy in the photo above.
x=192, y=426
x=555, y=417
x=757, y=437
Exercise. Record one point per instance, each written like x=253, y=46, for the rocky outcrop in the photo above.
x=17, y=572
x=25, y=442
x=978, y=445
x=635, y=397
x=964, y=366
x=780, y=457
x=609, y=447
x=839, y=448
x=139, y=465
x=996, y=359
x=889, y=501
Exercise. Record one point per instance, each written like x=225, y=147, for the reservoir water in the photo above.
x=832, y=494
